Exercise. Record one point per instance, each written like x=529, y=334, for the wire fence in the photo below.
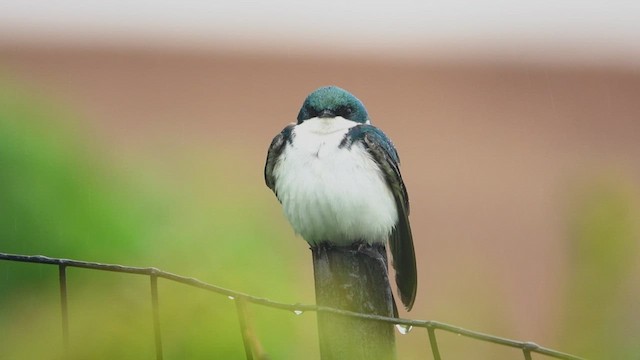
x=240, y=298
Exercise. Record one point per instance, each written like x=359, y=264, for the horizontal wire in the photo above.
x=428, y=324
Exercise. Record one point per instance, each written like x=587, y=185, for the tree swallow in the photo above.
x=338, y=180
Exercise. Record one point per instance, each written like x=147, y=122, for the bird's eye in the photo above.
x=344, y=111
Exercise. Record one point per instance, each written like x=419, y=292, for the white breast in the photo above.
x=330, y=193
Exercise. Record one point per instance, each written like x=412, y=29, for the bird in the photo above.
x=338, y=180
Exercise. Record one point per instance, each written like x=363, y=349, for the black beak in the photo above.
x=326, y=113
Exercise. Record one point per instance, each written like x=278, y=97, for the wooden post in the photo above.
x=354, y=278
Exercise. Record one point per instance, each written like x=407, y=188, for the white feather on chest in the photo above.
x=330, y=193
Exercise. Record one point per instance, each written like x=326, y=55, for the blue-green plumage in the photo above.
x=332, y=101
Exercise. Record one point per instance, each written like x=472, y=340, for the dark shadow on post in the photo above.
x=354, y=278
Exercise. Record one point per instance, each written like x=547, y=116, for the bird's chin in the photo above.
x=326, y=126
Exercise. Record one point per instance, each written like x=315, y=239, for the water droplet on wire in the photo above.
x=404, y=329
x=298, y=312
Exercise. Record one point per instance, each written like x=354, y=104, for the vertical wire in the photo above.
x=242, y=319
x=156, y=316
x=64, y=306
x=527, y=354
x=434, y=343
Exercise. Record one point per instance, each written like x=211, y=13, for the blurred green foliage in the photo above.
x=55, y=197
x=603, y=251
x=59, y=197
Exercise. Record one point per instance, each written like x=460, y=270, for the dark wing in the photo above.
x=275, y=150
x=401, y=241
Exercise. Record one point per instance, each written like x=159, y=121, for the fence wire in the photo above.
x=431, y=326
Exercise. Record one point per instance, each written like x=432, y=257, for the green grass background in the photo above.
x=60, y=197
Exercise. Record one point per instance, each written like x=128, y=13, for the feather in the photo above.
x=401, y=241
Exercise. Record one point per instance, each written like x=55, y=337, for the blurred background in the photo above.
x=135, y=132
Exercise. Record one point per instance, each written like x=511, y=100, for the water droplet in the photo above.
x=404, y=329
x=231, y=297
x=298, y=312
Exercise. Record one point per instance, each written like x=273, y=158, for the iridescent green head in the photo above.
x=330, y=102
